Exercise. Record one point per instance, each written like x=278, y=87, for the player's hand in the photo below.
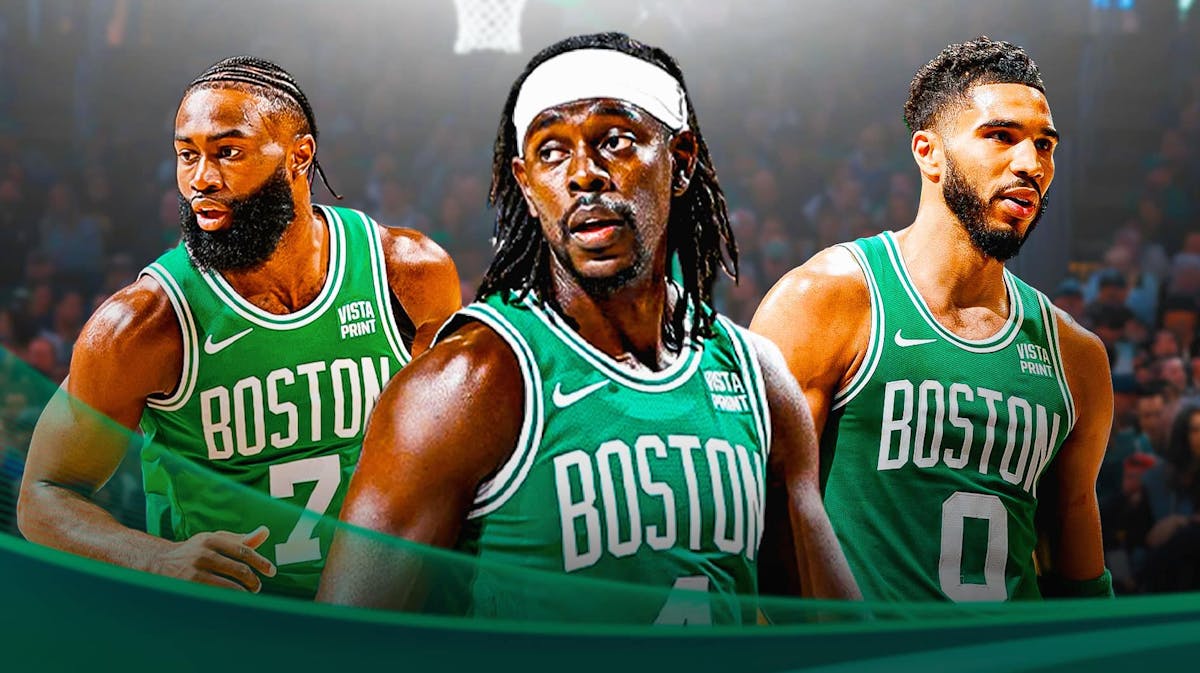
x=220, y=558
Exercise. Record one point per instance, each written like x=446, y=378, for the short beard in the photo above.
x=256, y=225
x=971, y=211
x=605, y=286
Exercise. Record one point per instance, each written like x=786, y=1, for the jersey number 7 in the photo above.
x=302, y=545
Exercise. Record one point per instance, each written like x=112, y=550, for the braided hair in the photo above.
x=698, y=230
x=270, y=81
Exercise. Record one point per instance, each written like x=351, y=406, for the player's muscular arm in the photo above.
x=131, y=348
x=444, y=424
x=423, y=279
x=1068, y=515
x=820, y=564
x=819, y=315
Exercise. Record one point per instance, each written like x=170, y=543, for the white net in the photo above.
x=488, y=25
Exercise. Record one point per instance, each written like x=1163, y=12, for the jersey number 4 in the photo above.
x=687, y=604
x=302, y=545
x=955, y=511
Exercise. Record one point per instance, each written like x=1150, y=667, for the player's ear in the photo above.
x=303, y=152
x=518, y=170
x=928, y=149
x=684, y=151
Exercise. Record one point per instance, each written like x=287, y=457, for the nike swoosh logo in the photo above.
x=562, y=401
x=213, y=347
x=905, y=343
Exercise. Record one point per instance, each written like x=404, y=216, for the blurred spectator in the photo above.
x=1173, y=372
x=1069, y=297
x=1181, y=320
x=1148, y=253
x=1151, y=416
x=72, y=241
x=1173, y=490
x=19, y=224
x=1126, y=518
x=67, y=321
x=1110, y=323
x=42, y=356
x=1123, y=282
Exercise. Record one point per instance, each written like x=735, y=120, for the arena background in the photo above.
x=800, y=102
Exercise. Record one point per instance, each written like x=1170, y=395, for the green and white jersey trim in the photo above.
x=261, y=318
x=383, y=293
x=751, y=370
x=191, y=341
x=998, y=341
x=1060, y=373
x=493, y=493
x=315, y=308
x=874, y=343
x=671, y=377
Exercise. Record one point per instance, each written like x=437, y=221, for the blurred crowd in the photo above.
x=807, y=156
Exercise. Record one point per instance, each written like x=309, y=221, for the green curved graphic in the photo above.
x=63, y=611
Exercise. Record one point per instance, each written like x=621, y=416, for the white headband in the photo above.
x=599, y=73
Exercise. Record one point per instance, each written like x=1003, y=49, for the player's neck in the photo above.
x=294, y=274
x=627, y=324
x=946, y=267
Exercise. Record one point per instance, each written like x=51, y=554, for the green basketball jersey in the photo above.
x=268, y=417
x=650, y=479
x=932, y=453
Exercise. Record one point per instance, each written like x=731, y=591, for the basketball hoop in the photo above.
x=488, y=25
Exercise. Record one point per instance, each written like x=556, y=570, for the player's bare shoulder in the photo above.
x=819, y=315
x=464, y=396
x=1085, y=359
x=421, y=275
x=132, y=344
x=412, y=254
x=830, y=283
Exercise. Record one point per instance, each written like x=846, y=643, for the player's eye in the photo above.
x=186, y=156
x=551, y=154
x=1002, y=136
x=617, y=143
x=1044, y=144
x=229, y=152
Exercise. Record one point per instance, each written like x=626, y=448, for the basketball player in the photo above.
x=250, y=355
x=961, y=415
x=587, y=415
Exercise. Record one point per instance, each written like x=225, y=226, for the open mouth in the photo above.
x=1021, y=202
x=597, y=233
x=210, y=218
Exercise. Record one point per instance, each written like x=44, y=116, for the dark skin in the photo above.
x=420, y=471
x=1004, y=134
x=228, y=142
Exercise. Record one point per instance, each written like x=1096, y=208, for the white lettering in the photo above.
x=616, y=546
x=252, y=385
x=570, y=510
x=277, y=408
x=658, y=489
x=216, y=426
x=892, y=424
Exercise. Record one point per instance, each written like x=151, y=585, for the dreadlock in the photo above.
x=698, y=231
x=273, y=83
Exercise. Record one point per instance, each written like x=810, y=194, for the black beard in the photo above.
x=971, y=211
x=257, y=222
x=604, y=286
